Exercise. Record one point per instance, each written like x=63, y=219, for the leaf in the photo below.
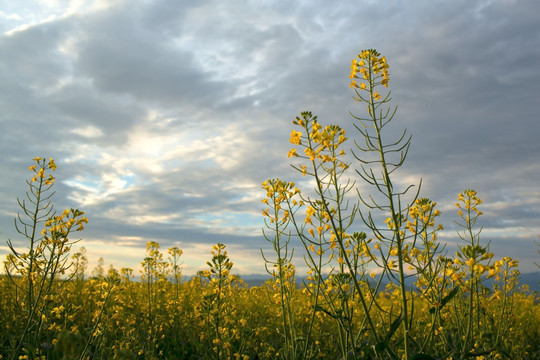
x=445, y=300
x=394, y=327
x=450, y=296
x=320, y=308
x=380, y=347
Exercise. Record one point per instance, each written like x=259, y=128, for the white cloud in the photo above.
x=88, y=132
x=9, y=16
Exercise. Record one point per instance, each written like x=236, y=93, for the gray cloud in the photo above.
x=164, y=118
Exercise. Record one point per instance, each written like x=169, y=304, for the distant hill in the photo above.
x=531, y=279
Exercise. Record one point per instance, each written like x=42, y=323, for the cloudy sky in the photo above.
x=165, y=116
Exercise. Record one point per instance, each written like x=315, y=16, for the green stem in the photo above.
x=337, y=231
x=31, y=307
x=396, y=218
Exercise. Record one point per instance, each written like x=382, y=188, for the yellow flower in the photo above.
x=309, y=153
x=327, y=158
x=365, y=73
x=491, y=273
x=295, y=137
x=52, y=164
x=292, y=152
x=50, y=180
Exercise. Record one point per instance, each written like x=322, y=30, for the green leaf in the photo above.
x=394, y=327
x=320, y=308
x=450, y=296
x=445, y=300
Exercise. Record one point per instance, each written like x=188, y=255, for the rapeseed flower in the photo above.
x=296, y=137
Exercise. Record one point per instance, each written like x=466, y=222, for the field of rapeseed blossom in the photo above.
x=431, y=305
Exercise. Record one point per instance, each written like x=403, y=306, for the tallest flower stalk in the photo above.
x=369, y=72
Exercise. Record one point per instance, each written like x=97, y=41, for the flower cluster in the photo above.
x=473, y=253
x=56, y=243
x=423, y=211
x=468, y=203
x=321, y=145
x=280, y=199
x=40, y=168
x=61, y=225
x=373, y=69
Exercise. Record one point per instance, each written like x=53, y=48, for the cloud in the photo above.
x=165, y=117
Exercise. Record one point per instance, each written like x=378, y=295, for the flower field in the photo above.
x=375, y=289
x=215, y=316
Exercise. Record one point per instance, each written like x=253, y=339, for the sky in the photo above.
x=164, y=117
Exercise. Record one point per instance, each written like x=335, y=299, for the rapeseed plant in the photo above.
x=331, y=252
x=174, y=263
x=45, y=261
x=327, y=241
x=155, y=271
x=282, y=202
x=217, y=313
